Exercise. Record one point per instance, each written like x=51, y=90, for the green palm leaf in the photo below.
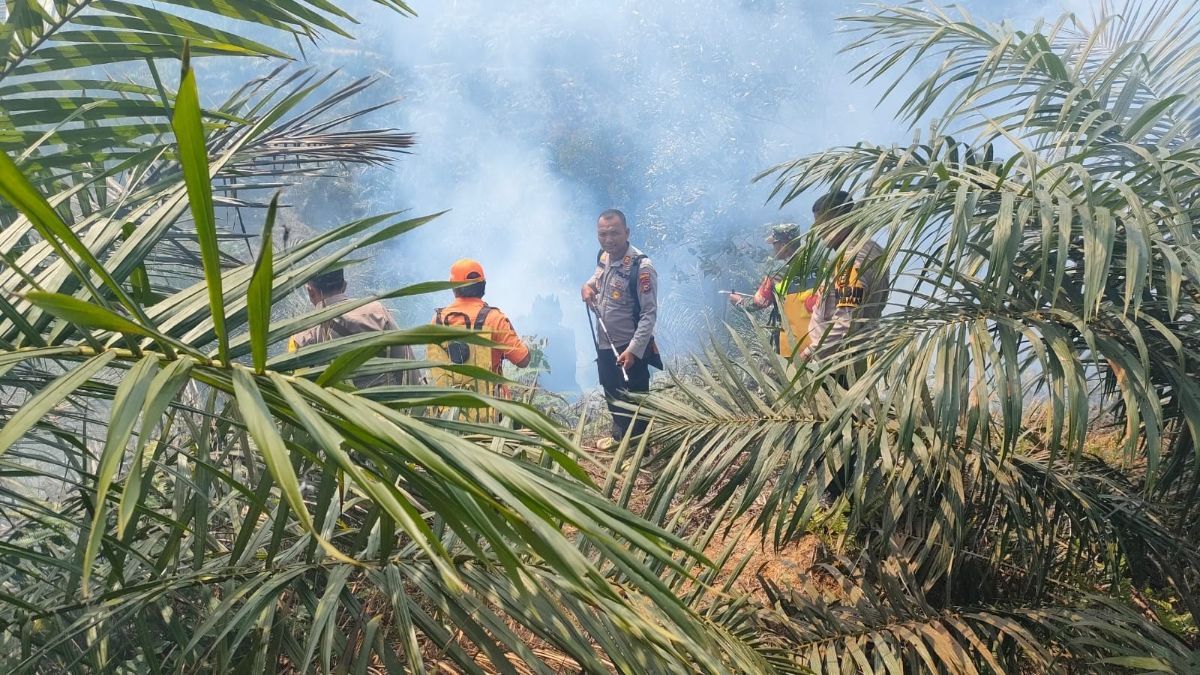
x=237, y=498
x=1037, y=294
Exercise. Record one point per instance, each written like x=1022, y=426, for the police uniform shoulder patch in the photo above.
x=644, y=282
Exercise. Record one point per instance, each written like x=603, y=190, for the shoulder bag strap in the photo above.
x=635, y=269
x=482, y=316
x=448, y=319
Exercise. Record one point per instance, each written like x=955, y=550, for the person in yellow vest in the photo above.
x=470, y=311
x=791, y=301
x=330, y=289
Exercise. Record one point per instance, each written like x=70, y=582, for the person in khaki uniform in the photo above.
x=847, y=307
x=856, y=297
x=330, y=289
x=623, y=291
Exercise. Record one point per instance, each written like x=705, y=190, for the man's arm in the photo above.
x=407, y=377
x=592, y=286
x=299, y=340
x=764, y=297
x=513, y=348
x=387, y=321
x=594, y=282
x=851, y=291
x=825, y=336
x=647, y=289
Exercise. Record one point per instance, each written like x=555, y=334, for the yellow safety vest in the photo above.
x=794, y=313
x=461, y=353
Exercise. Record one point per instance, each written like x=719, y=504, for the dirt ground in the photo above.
x=787, y=568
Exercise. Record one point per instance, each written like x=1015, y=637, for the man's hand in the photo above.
x=588, y=293
x=737, y=299
x=626, y=359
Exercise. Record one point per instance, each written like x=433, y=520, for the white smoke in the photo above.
x=533, y=117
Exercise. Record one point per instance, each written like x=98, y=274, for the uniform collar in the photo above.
x=460, y=302
x=630, y=252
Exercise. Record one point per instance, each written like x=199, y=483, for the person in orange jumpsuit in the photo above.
x=470, y=311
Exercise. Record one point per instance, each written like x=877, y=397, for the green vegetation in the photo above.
x=179, y=496
x=1043, y=227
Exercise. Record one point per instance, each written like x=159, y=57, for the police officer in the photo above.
x=623, y=291
x=330, y=289
x=848, y=305
x=856, y=297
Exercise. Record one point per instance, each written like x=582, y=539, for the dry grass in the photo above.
x=760, y=562
x=748, y=560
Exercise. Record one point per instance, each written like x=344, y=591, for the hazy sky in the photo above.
x=532, y=117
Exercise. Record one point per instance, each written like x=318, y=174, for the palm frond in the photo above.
x=880, y=623
x=268, y=489
x=65, y=121
x=1046, y=281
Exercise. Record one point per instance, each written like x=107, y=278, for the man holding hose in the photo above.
x=623, y=293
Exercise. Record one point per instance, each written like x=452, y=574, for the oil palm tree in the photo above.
x=177, y=495
x=179, y=499
x=61, y=108
x=1042, y=233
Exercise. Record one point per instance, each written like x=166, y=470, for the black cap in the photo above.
x=329, y=281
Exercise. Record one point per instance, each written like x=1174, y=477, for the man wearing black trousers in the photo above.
x=623, y=291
